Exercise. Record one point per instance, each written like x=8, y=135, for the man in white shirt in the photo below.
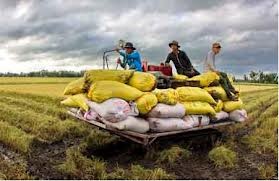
x=209, y=65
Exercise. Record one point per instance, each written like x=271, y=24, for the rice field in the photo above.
x=38, y=140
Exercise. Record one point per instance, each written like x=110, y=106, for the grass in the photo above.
x=173, y=154
x=13, y=171
x=35, y=80
x=223, y=157
x=98, y=139
x=15, y=138
x=266, y=171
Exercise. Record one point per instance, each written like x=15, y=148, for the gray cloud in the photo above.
x=67, y=31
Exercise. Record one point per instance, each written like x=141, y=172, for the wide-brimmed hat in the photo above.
x=129, y=45
x=174, y=43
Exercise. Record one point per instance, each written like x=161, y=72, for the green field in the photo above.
x=38, y=140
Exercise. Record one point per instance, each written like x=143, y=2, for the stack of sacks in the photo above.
x=114, y=97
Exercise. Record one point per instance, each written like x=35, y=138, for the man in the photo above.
x=181, y=61
x=209, y=65
x=130, y=57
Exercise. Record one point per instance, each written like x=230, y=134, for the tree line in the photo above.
x=44, y=73
x=261, y=77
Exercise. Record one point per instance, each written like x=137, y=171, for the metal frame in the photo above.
x=148, y=138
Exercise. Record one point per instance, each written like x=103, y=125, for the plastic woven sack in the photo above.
x=219, y=90
x=219, y=106
x=239, y=115
x=166, y=96
x=230, y=106
x=92, y=76
x=198, y=107
x=197, y=120
x=222, y=115
x=134, y=124
x=101, y=91
x=168, y=124
x=146, y=102
x=143, y=81
x=78, y=100
x=206, y=78
x=194, y=94
x=180, y=77
x=74, y=87
x=167, y=111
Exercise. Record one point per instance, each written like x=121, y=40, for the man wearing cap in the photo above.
x=130, y=57
x=209, y=65
x=181, y=61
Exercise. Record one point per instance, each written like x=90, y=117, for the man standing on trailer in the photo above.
x=209, y=65
x=180, y=60
x=130, y=57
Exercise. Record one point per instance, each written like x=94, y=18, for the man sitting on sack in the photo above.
x=209, y=65
x=181, y=61
x=130, y=57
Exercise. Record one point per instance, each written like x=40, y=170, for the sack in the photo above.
x=74, y=87
x=146, y=102
x=101, y=91
x=239, y=115
x=198, y=107
x=113, y=110
x=232, y=105
x=166, y=96
x=222, y=115
x=78, y=100
x=167, y=111
x=180, y=77
x=91, y=115
x=197, y=120
x=219, y=90
x=143, y=81
x=194, y=94
x=92, y=76
x=168, y=124
x=206, y=78
x=134, y=124
x=219, y=106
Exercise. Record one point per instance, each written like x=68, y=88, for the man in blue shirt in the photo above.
x=130, y=57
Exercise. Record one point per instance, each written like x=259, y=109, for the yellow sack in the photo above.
x=219, y=90
x=166, y=96
x=78, y=100
x=74, y=87
x=206, y=78
x=101, y=91
x=194, y=94
x=180, y=77
x=230, y=106
x=219, y=106
x=143, y=81
x=198, y=107
x=146, y=102
x=91, y=76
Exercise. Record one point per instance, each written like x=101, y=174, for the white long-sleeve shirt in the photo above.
x=209, y=62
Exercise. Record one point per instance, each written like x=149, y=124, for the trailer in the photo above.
x=148, y=138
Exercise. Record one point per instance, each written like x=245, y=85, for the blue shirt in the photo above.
x=133, y=60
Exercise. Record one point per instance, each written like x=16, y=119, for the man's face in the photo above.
x=128, y=50
x=216, y=49
x=174, y=47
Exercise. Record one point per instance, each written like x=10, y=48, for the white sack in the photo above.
x=168, y=124
x=114, y=110
x=222, y=115
x=197, y=120
x=167, y=111
x=91, y=115
x=134, y=124
x=239, y=115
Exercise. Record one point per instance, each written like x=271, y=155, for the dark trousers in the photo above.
x=226, y=84
x=188, y=73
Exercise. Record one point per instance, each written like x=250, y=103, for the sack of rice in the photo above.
x=166, y=96
x=146, y=102
x=168, y=124
x=101, y=91
x=78, y=100
x=194, y=94
x=230, y=106
x=143, y=81
x=198, y=107
x=239, y=115
x=219, y=91
x=206, y=78
x=167, y=111
x=74, y=87
x=197, y=120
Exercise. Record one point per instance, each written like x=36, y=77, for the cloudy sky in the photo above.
x=72, y=34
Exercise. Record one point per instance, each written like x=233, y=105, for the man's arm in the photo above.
x=123, y=54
